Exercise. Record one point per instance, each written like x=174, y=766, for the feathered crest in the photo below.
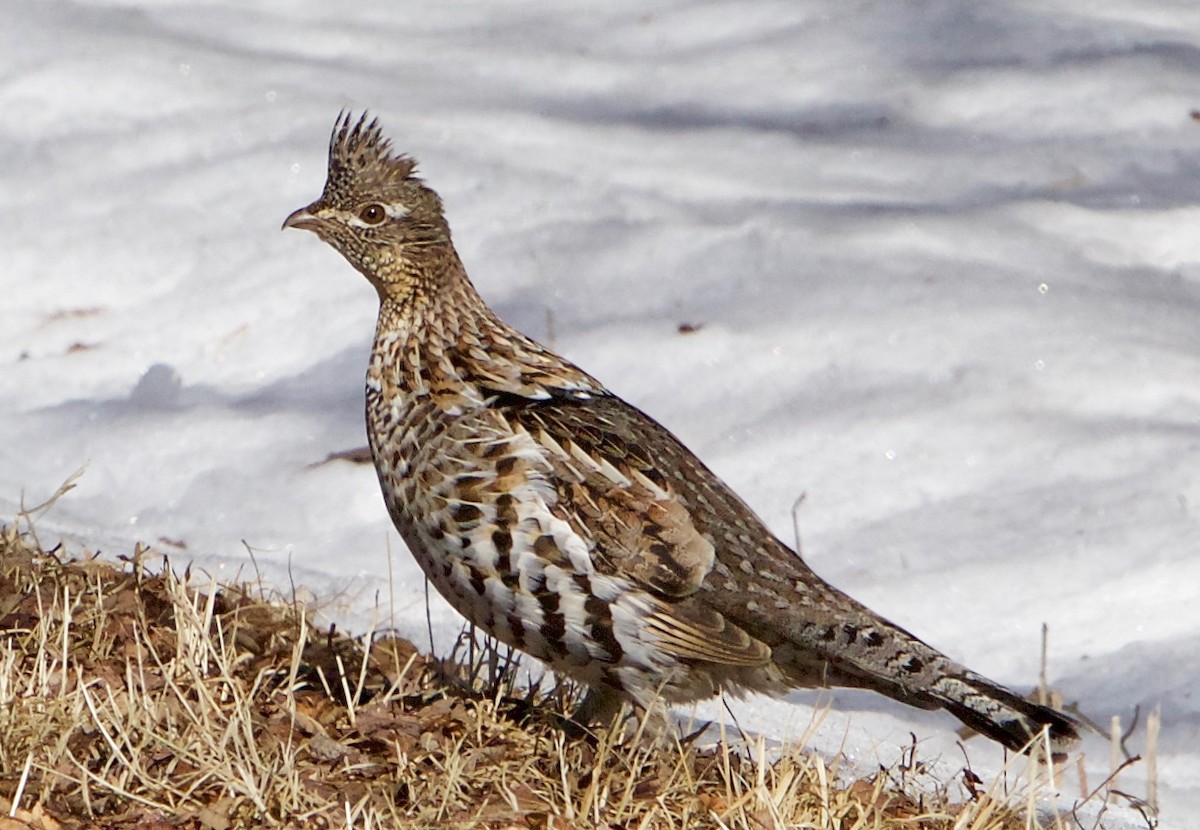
x=362, y=149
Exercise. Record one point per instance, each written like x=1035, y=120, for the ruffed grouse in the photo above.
x=565, y=522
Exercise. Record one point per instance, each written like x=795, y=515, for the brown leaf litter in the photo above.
x=129, y=700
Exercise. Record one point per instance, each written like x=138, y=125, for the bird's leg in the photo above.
x=600, y=705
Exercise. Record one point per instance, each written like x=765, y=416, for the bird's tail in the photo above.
x=1003, y=716
x=859, y=649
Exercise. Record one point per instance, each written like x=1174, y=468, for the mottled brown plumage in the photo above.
x=567, y=523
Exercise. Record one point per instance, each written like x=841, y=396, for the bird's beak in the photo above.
x=302, y=219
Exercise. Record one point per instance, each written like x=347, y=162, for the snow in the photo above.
x=942, y=257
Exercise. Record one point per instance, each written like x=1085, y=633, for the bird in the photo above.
x=565, y=522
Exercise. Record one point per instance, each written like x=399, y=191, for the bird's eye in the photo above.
x=372, y=214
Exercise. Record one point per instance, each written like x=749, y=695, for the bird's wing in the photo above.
x=614, y=495
x=611, y=491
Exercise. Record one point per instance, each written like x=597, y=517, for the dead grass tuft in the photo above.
x=130, y=700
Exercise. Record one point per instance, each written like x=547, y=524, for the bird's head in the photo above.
x=375, y=211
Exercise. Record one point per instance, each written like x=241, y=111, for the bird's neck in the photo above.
x=440, y=340
x=432, y=301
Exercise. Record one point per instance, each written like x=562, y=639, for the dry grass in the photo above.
x=130, y=700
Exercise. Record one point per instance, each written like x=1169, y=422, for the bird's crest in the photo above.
x=359, y=152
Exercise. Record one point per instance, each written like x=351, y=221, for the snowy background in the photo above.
x=942, y=260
